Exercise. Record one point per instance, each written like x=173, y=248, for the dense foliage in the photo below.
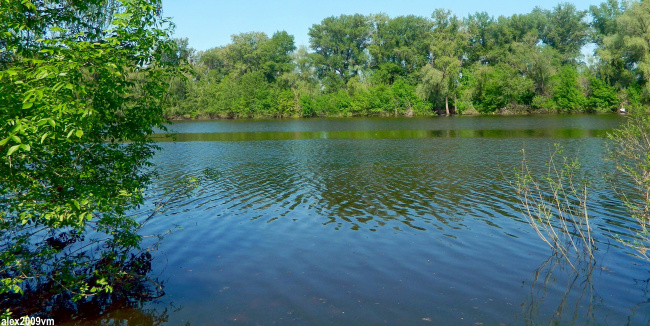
x=377, y=65
x=82, y=87
x=83, y=84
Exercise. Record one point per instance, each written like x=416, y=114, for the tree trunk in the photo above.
x=447, y=104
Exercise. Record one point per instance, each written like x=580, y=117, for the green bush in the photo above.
x=602, y=97
x=77, y=111
x=567, y=95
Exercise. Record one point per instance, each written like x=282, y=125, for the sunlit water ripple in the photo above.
x=398, y=230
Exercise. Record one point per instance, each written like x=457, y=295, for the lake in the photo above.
x=396, y=221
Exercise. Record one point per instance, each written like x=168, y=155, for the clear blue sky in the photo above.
x=209, y=23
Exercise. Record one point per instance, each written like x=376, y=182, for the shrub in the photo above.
x=80, y=96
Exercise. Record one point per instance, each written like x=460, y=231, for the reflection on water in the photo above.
x=126, y=316
x=384, y=221
x=539, y=122
x=573, y=298
x=381, y=134
x=414, y=183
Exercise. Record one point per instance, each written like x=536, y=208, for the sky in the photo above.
x=210, y=23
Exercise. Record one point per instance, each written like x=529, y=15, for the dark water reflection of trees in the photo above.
x=561, y=295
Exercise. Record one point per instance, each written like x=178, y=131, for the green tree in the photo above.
x=302, y=81
x=515, y=62
x=506, y=31
x=82, y=88
x=399, y=46
x=244, y=78
x=448, y=42
x=276, y=55
x=479, y=26
x=612, y=66
x=179, y=86
x=252, y=52
x=602, y=97
x=628, y=49
x=500, y=87
x=604, y=19
x=340, y=45
x=568, y=94
x=565, y=30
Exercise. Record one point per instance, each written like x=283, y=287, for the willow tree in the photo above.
x=447, y=40
x=630, y=45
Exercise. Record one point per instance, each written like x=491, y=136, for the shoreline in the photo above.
x=503, y=112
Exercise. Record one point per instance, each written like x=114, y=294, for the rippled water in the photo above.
x=384, y=221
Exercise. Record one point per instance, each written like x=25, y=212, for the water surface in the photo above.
x=397, y=221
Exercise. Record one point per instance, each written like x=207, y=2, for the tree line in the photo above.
x=375, y=65
x=84, y=86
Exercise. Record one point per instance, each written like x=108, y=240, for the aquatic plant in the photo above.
x=555, y=205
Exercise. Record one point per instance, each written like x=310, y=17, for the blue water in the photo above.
x=395, y=229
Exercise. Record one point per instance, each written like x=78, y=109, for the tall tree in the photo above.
x=511, y=30
x=611, y=66
x=604, y=19
x=340, y=44
x=479, y=27
x=276, y=55
x=399, y=46
x=252, y=52
x=566, y=30
x=447, y=44
x=629, y=47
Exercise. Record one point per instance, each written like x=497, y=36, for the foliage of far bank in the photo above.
x=409, y=65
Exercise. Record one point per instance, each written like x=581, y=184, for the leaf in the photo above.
x=58, y=86
x=79, y=133
x=27, y=105
x=12, y=149
x=4, y=141
x=44, y=136
x=26, y=147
